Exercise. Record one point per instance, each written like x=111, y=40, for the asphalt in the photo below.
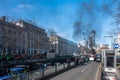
x=87, y=71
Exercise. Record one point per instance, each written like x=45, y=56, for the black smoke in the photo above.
x=90, y=16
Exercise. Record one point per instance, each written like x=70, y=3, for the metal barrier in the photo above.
x=41, y=73
x=49, y=71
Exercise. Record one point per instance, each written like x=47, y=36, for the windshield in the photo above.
x=99, y=56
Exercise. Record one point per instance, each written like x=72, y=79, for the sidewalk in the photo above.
x=118, y=74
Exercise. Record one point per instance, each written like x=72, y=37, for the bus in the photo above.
x=98, y=57
x=13, y=72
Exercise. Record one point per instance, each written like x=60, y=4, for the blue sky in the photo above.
x=61, y=15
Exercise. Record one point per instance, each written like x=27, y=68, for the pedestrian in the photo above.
x=76, y=61
x=68, y=63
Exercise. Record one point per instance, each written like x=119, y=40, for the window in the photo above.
x=110, y=61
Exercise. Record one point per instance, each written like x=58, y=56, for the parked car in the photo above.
x=2, y=58
x=82, y=59
x=16, y=70
x=18, y=56
x=86, y=58
x=6, y=77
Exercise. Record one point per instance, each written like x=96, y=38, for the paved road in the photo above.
x=86, y=72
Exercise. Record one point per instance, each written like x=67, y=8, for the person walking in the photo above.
x=68, y=63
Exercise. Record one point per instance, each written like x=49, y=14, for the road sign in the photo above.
x=116, y=46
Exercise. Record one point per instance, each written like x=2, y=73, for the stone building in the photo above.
x=62, y=46
x=92, y=39
x=22, y=38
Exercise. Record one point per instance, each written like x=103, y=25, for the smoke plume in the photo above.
x=90, y=16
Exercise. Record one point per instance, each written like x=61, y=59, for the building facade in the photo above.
x=62, y=46
x=118, y=42
x=92, y=39
x=101, y=47
x=22, y=38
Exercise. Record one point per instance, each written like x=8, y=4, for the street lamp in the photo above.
x=111, y=41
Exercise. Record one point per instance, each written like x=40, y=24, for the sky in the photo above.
x=69, y=18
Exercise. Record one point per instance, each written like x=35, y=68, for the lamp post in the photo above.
x=111, y=40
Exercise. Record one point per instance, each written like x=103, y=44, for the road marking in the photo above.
x=83, y=70
x=86, y=67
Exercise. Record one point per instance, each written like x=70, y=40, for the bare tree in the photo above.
x=51, y=31
x=117, y=13
x=116, y=16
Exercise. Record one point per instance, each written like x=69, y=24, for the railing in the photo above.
x=42, y=73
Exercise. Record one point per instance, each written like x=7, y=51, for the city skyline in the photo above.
x=62, y=15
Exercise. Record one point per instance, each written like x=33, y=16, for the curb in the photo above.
x=98, y=75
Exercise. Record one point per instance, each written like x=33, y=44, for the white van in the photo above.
x=91, y=58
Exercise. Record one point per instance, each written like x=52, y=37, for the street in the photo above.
x=87, y=71
x=59, y=39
